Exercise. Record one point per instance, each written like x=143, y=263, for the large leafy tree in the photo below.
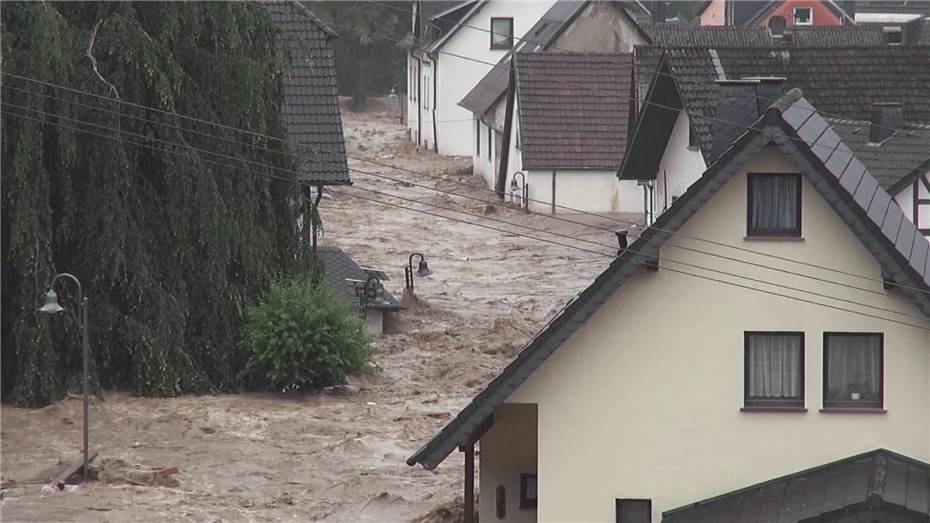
x=368, y=55
x=170, y=246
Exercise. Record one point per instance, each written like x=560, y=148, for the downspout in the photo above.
x=435, y=103
x=419, y=100
x=664, y=190
x=553, y=191
x=314, y=212
x=501, y=182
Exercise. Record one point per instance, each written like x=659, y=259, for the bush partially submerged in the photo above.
x=304, y=334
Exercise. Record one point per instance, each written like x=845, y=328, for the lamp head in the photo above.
x=423, y=268
x=51, y=303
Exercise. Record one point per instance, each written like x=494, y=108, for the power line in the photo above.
x=298, y=182
x=562, y=49
x=120, y=113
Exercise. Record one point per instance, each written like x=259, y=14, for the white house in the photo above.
x=570, y=84
x=688, y=382
x=453, y=45
x=701, y=98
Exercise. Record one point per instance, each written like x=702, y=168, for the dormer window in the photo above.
x=774, y=205
x=803, y=16
x=501, y=33
x=892, y=35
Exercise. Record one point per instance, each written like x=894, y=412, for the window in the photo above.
x=527, y=491
x=478, y=138
x=501, y=33
x=892, y=35
x=634, y=511
x=774, y=205
x=852, y=370
x=489, y=142
x=774, y=369
x=803, y=16
x=692, y=139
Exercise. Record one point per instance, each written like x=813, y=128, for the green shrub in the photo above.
x=304, y=334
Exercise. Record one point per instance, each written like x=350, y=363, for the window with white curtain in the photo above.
x=774, y=205
x=774, y=369
x=853, y=367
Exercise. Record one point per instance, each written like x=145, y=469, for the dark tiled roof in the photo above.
x=311, y=97
x=805, y=138
x=689, y=35
x=907, y=151
x=573, y=109
x=880, y=483
x=893, y=6
x=842, y=82
x=338, y=267
x=443, y=19
x=495, y=83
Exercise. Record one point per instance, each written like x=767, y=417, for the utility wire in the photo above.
x=562, y=49
x=402, y=169
x=298, y=182
x=120, y=113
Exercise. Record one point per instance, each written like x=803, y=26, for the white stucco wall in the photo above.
x=644, y=400
x=458, y=75
x=590, y=191
x=679, y=167
x=481, y=164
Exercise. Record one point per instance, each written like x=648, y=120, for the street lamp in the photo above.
x=53, y=307
x=422, y=269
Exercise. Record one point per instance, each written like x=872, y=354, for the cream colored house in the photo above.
x=775, y=318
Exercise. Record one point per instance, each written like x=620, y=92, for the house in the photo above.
x=699, y=93
x=903, y=22
x=776, y=318
x=787, y=13
x=571, y=113
x=363, y=288
x=452, y=45
x=576, y=31
x=311, y=113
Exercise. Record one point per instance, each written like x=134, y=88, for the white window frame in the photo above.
x=810, y=17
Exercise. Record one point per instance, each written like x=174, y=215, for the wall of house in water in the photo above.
x=644, y=400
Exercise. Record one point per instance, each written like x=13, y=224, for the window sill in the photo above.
x=853, y=410
x=773, y=238
x=773, y=408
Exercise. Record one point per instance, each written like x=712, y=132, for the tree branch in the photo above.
x=93, y=61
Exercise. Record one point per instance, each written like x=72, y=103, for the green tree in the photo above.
x=171, y=248
x=305, y=334
x=368, y=55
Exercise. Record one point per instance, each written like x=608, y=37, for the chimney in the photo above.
x=777, y=26
x=741, y=103
x=886, y=119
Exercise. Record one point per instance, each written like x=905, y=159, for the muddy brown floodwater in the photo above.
x=310, y=456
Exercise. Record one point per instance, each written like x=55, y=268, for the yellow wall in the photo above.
x=644, y=400
x=507, y=450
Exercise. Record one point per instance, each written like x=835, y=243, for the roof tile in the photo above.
x=573, y=109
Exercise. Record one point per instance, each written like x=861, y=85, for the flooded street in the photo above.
x=274, y=457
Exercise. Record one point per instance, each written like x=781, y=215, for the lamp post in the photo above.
x=422, y=269
x=52, y=307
